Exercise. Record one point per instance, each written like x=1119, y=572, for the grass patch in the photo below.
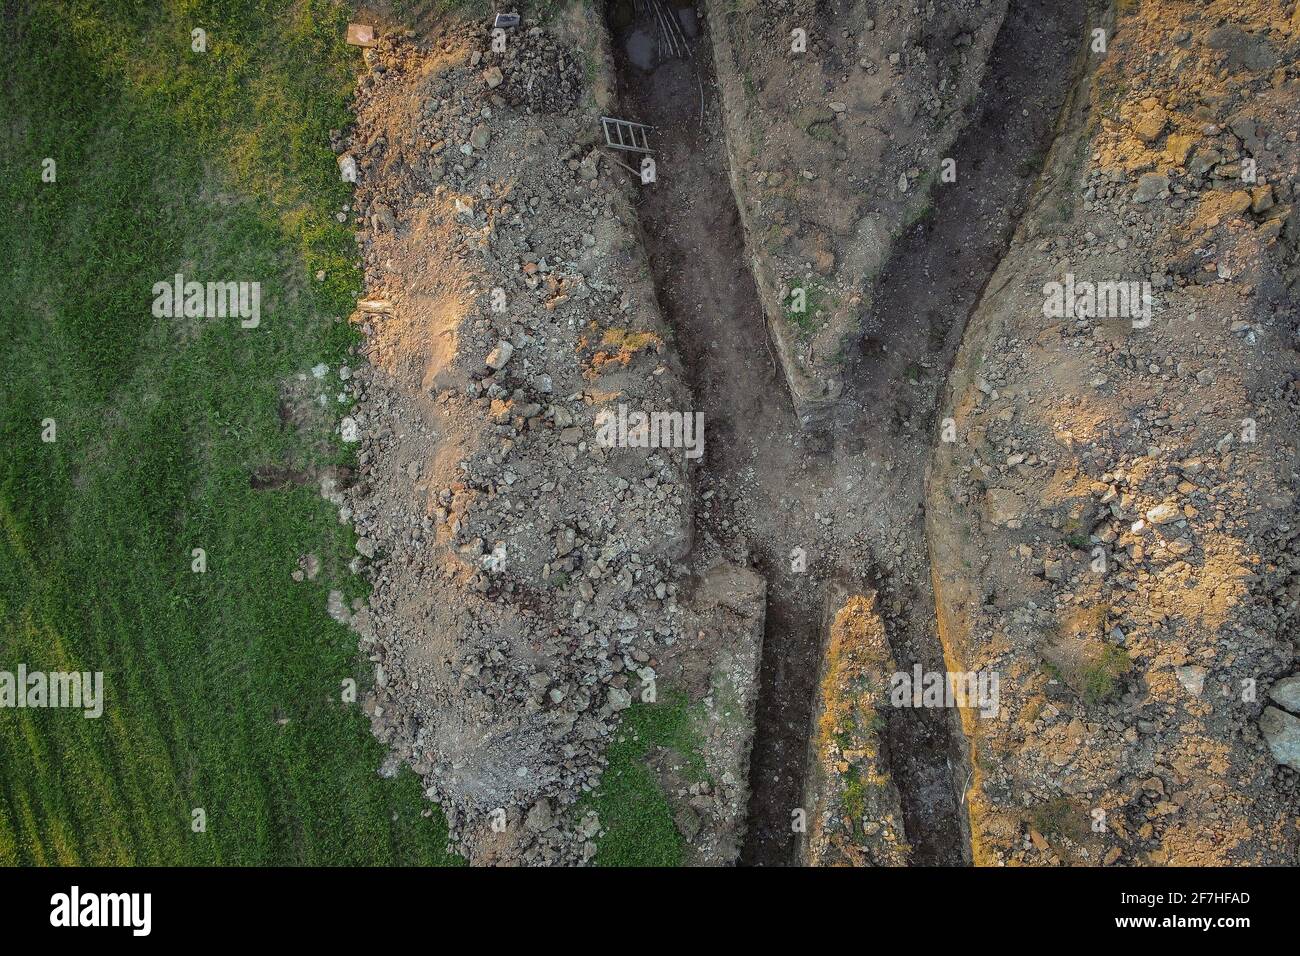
x=1102, y=675
x=823, y=131
x=1076, y=535
x=804, y=311
x=854, y=799
x=222, y=688
x=634, y=812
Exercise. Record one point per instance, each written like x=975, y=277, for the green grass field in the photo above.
x=223, y=688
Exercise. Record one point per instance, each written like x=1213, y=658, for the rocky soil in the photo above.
x=855, y=813
x=528, y=583
x=1100, y=511
x=1112, y=514
x=846, y=496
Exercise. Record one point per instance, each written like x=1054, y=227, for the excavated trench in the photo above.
x=753, y=442
x=756, y=453
x=936, y=276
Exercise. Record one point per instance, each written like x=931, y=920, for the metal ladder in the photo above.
x=621, y=134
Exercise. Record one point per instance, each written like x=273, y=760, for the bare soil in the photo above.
x=754, y=448
x=935, y=279
x=836, y=504
x=849, y=495
x=1111, y=531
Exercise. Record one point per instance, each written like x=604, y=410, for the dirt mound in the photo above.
x=855, y=816
x=838, y=119
x=523, y=584
x=1112, y=503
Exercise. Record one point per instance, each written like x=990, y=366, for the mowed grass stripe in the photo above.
x=91, y=767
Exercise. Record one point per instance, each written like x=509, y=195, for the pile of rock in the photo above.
x=523, y=574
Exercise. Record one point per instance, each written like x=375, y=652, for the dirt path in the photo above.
x=850, y=497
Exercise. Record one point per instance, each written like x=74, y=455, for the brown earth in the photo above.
x=1113, y=525
x=525, y=573
x=834, y=144
x=847, y=499
x=807, y=533
x=855, y=815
